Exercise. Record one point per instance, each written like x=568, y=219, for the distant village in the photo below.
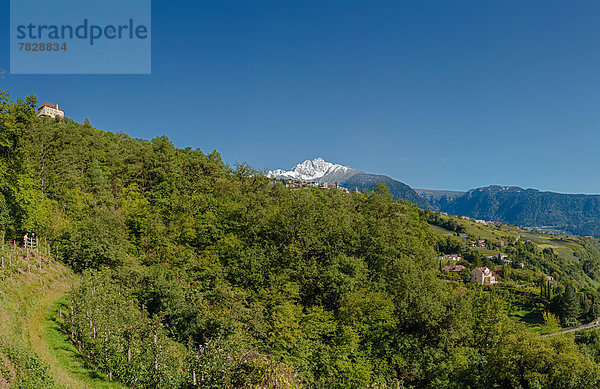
x=484, y=222
x=481, y=275
x=301, y=184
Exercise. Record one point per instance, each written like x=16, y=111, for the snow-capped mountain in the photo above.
x=317, y=170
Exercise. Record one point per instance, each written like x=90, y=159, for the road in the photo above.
x=587, y=326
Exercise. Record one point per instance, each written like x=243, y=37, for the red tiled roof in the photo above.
x=45, y=104
x=454, y=268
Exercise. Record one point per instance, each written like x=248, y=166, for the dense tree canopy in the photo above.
x=193, y=268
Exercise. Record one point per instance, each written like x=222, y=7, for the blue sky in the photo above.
x=437, y=94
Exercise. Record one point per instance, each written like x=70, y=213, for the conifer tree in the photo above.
x=569, y=306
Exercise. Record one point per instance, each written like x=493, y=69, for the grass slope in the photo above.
x=34, y=352
x=67, y=364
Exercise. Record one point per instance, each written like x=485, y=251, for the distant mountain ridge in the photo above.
x=319, y=170
x=439, y=199
x=571, y=213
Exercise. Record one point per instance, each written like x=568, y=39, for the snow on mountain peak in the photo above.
x=309, y=170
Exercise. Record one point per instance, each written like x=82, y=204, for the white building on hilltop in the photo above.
x=47, y=109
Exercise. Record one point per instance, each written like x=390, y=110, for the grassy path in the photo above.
x=52, y=344
x=34, y=327
x=67, y=365
x=31, y=330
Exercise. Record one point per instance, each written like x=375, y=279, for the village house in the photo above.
x=301, y=184
x=478, y=243
x=483, y=276
x=454, y=268
x=452, y=257
x=50, y=110
x=293, y=184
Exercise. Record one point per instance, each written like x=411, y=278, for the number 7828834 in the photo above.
x=42, y=46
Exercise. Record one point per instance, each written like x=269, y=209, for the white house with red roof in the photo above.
x=50, y=110
x=483, y=276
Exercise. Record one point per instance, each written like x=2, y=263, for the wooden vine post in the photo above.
x=128, y=335
x=72, y=321
x=106, y=351
x=155, y=352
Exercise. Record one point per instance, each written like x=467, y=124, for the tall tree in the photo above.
x=569, y=306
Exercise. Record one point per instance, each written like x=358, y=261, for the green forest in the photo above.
x=194, y=273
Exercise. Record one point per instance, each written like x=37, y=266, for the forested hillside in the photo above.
x=193, y=273
x=569, y=213
x=398, y=190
